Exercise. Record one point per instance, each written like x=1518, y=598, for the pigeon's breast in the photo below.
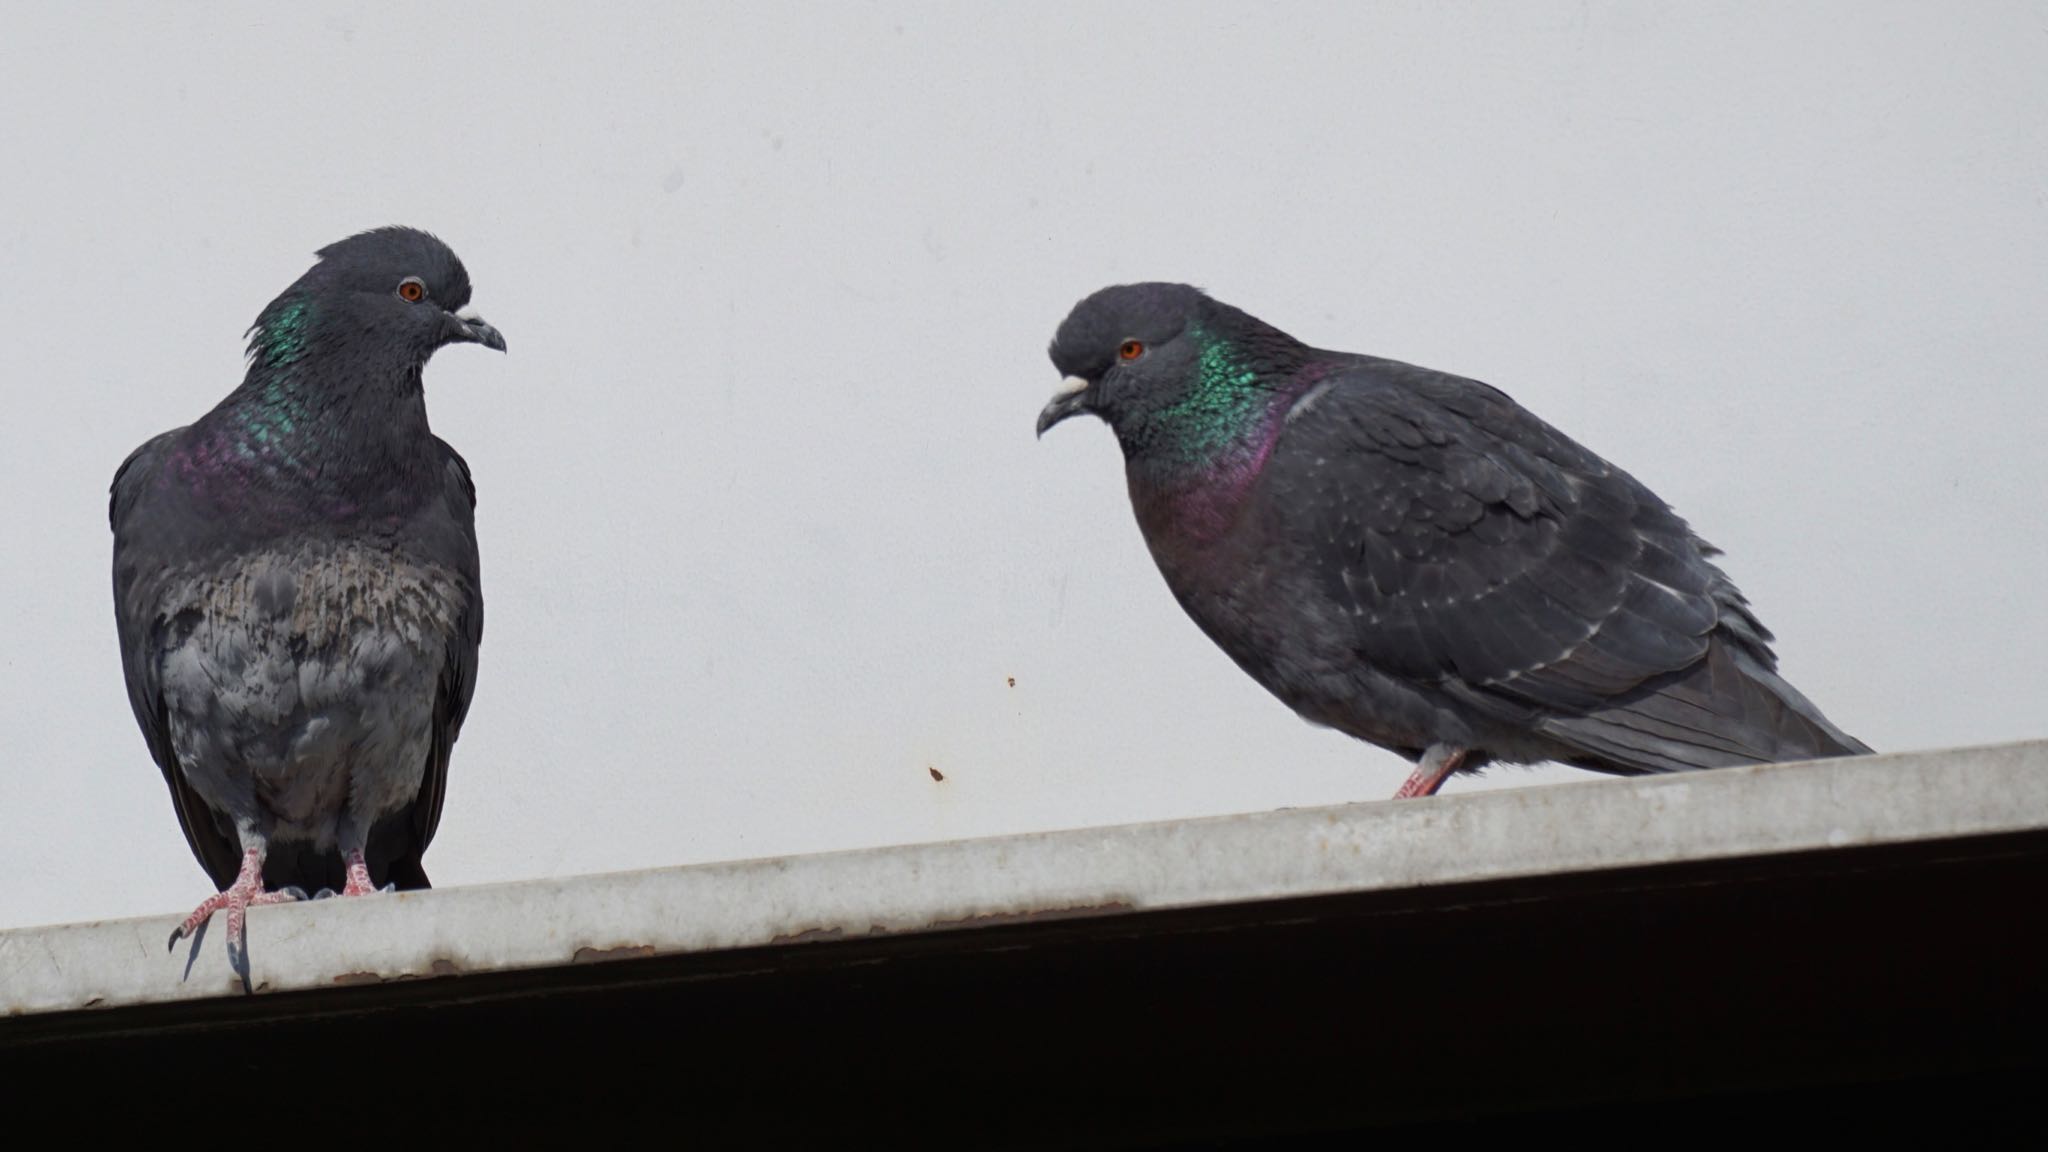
x=322, y=593
x=1252, y=590
x=301, y=680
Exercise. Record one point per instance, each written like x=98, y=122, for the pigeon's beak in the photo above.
x=469, y=326
x=1071, y=399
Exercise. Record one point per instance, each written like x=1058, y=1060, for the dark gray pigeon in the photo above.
x=296, y=589
x=1411, y=558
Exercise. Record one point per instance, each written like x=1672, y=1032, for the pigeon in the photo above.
x=1413, y=559
x=296, y=590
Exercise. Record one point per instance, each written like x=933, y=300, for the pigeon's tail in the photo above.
x=1729, y=708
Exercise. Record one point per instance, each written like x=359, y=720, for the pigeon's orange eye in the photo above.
x=411, y=290
x=1131, y=350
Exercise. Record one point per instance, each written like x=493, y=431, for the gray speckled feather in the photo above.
x=296, y=580
x=1412, y=558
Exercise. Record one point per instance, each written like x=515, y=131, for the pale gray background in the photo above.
x=765, y=532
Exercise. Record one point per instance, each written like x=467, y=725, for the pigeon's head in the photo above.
x=1126, y=351
x=400, y=288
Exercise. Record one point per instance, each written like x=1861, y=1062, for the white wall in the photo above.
x=765, y=530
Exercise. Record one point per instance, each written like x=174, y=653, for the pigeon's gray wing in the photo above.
x=144, y=532
x=1477, y=549
x=455, y=542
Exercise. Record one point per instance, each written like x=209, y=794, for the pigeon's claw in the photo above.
x=1431, y=771
x=246, y=892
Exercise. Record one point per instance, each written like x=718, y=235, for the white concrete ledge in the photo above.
x=1596, y=826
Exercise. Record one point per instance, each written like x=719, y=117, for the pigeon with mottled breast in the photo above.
x=296, y=589
x=1412, y=558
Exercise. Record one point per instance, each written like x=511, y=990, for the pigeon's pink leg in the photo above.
x=246, y=892
x=358, y=876
x=1431, y=771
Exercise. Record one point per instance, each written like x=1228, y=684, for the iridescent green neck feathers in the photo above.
x=1220, y=415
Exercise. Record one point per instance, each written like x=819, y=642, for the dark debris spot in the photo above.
x=936, y=774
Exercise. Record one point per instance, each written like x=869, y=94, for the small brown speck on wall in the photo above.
x=1012, y=680
x=936, y=774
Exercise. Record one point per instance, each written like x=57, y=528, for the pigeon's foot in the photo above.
x=359, y=876
x=358, y=879
x=246, y=892
x=1431, y=771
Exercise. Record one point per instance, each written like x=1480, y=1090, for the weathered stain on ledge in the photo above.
x=439, y=966
x=589, y=955
x=1033, y=916
x=809, y=936
x=824, y=933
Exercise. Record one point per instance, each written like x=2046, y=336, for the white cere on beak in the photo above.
x=1071, y=385
x=469, y=315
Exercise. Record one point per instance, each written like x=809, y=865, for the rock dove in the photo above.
x=296, y=589
x=1412, y=558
